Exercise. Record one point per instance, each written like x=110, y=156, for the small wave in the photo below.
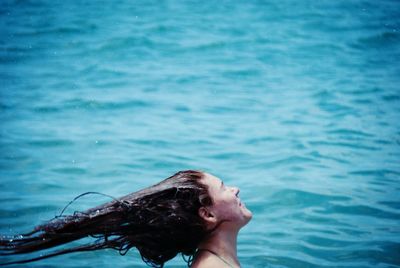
x=298, y=198
x=261, y=140
x=336, y=158
x=46, y=109
x=391, y=204
x=326, y=242
x=287, y=162
x=243, y=73
x=31, y=209
x=375, y=172
x=391, y=97
x=278, y=261
x=50, y=143
x=118, y=44
x=360, y=210
x=230, y=155
x=384, y=39
x=50, y=31
x=350, y=132
x=104, y=105
x=70, y=170
x=351, y=145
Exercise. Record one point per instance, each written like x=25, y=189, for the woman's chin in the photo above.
x=248, y=215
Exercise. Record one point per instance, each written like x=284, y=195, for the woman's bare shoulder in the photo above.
x=207, y=260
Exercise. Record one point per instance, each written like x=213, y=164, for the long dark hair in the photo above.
x=160, y=221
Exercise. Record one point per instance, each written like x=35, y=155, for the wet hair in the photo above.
x=159, y=221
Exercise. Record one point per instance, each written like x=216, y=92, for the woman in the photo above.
x=191, y=212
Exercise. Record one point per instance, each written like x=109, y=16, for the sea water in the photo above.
x=295, y=102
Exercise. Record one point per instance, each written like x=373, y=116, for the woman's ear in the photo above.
x=207, y=215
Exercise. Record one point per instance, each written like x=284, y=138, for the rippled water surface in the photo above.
x=295, y=102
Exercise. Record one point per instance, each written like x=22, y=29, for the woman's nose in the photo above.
x=236, y=190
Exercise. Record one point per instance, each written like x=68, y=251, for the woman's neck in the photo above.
x=224, y=243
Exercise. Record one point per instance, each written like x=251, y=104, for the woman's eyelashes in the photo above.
x=233, y=189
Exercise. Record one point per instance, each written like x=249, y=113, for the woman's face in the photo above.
x=226, y=203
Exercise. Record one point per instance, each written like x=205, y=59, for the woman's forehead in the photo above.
x=212, y=181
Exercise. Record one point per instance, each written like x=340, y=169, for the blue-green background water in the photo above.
x=295, y=102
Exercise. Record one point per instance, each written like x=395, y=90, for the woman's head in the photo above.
x=180, y=211
x=226, y=206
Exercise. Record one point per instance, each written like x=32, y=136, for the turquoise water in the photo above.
x=295, y=102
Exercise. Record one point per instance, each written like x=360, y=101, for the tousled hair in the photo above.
x=160, y=221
